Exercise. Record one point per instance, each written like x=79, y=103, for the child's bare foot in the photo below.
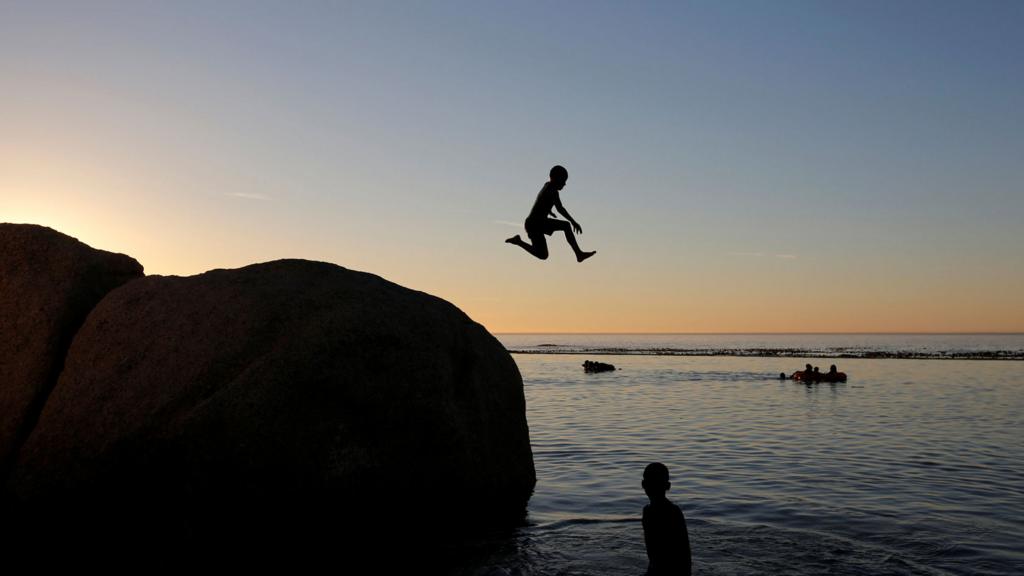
x=584, y=255
x=514, y=240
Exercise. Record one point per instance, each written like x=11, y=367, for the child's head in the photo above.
x=655, y=481
x=559, y=176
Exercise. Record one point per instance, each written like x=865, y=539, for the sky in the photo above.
x=738, y=166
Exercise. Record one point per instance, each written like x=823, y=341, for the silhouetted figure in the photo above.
x=782, y=376
x=834, y=375
x=539, y=225
x=665, y=535
x=805, y=374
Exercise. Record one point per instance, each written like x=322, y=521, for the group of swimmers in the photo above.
x=812, y=374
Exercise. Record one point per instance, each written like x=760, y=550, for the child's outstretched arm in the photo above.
x=575, y=225
x=561, y=209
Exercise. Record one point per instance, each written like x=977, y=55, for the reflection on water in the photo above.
x=912, y=467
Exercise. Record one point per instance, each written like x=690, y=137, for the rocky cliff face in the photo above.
x=291, y=400
x=48, y=284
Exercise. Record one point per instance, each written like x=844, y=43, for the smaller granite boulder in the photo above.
x=48, y=284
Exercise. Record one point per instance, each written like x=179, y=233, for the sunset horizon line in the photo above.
x=754, y=333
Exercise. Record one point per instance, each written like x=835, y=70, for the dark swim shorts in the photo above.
x=540, y=227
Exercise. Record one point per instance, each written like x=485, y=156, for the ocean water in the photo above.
x=910, y=467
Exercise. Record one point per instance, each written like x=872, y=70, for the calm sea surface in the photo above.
x=911, y=467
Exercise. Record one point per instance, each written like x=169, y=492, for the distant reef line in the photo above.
x=1010, y=355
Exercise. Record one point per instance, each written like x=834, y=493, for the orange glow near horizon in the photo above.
x=587, y=305
x=559, y=296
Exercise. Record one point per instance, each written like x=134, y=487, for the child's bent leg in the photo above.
x=539, y=248
x=580, y=254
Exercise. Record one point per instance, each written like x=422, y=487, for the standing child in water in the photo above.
x=539, y=225
x=665, y=535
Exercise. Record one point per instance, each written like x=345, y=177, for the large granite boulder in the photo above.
x=48, y=284
x=280, y=401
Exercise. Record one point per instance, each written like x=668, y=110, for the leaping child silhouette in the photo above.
x=539, y=225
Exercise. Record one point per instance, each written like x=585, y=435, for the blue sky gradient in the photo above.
x=739, y=166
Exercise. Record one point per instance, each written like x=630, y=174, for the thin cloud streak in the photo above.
x=762, y=254
x=248, y=195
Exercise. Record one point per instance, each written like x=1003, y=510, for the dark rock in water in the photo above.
x=48, y=284
x=281, y=403
x=590, y=367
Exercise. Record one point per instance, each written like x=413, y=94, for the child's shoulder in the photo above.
x=662, y=507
